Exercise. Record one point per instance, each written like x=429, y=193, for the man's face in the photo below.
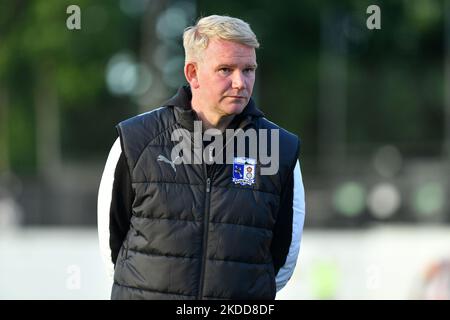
x=226, y=75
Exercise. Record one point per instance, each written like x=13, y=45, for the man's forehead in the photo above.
x=230, y=52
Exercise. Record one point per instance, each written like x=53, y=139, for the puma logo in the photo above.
x=172, y=163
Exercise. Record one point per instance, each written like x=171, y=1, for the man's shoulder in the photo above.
x=264, y=123
x=157, y=115
x=148, y=124
x=289, y=143
x=137, y=132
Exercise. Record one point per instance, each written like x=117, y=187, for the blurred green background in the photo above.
x=372, y=107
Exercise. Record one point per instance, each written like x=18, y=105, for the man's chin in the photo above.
x=234, y=108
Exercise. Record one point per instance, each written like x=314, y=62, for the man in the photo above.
x=180, y=228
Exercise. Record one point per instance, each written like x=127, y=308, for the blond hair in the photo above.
x=196, y=38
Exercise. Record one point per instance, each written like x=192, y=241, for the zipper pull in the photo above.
x=208, y=185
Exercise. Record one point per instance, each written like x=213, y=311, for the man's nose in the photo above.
x=238, y=80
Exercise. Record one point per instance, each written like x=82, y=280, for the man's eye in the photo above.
x=224, y=70
x=249, y=70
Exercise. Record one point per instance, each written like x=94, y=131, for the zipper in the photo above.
x=205, y=236
x=243, y=125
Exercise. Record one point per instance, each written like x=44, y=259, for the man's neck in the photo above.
x=213, y=120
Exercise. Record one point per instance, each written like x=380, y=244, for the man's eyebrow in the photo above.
x=224, y=65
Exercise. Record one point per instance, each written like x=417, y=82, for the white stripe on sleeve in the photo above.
x=104, y=205
x=298, y=219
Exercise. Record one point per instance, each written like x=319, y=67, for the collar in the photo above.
x=185, y=115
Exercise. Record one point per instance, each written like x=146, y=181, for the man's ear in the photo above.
x=190, y=72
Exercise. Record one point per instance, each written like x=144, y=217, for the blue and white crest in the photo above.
x=244, y=171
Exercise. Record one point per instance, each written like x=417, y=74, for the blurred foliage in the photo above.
x=34, y=38
x=394, y=88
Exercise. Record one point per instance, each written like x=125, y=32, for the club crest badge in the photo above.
x=244, y=171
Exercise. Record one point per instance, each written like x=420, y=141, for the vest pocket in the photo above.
x=126, y=245
x=124, y=250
